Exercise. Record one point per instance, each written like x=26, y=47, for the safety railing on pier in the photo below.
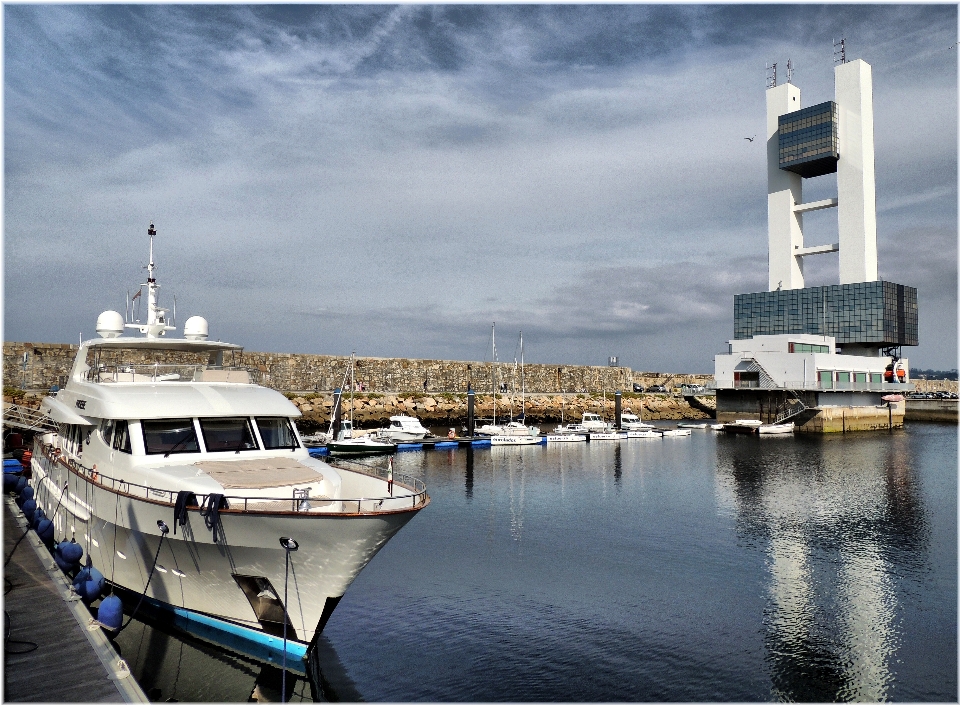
x=298, y=502
x=884, y=387
x=28, y=419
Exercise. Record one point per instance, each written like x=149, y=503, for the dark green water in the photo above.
x=707, y=568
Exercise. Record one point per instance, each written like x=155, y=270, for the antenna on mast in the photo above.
x=772, y=75
x=156, y=324
x=789, y=71
x=840, y=51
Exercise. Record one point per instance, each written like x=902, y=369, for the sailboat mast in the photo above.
x=494, y=338
x=523, y=408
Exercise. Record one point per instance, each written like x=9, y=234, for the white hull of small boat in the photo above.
x=642, y=434
x=775, y=429
x=604, y=436
x=566, y=438
x=692, y=425
x=515, y=440
x=675, y=432
x=364, y=445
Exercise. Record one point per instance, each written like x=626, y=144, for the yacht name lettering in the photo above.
x=81, y=403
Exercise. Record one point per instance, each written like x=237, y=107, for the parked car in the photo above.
x=637, y=387
x=657, y=389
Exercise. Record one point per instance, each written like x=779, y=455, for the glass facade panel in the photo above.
x=808, y=140
x=877, y=313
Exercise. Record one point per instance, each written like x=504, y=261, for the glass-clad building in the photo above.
x=808, y=140
x=873, y=314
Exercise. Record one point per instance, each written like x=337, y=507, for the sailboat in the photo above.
x=492, y=429
x=358, y=445
x=516, y=432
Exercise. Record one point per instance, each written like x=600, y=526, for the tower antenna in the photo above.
x=789, y=71
x=772, y=75
x=840, y=51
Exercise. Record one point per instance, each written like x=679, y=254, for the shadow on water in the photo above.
x=841, y=521
x=173, y=666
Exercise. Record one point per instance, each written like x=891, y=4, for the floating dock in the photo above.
x=49, y=654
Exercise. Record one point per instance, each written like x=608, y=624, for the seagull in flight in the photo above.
x=750, y=139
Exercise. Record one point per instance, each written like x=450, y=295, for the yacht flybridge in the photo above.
x=182, y=477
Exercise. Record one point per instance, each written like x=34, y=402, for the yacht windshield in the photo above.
x=229, y=434
x=168, y=436
x=275, y=432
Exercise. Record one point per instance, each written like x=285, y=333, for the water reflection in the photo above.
x=468, y=482
x=833, y=517
x=172, y=666
x=617, y=466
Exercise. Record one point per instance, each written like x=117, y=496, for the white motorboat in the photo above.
x=775, y=428
x=674, y=431
x=570, y=429
x=692, y=424
x=742, y=426
x=605, y=436
x=404, y=428
x=593, y=423
x=184, y=479
x=361, y=445
x=566, y=438
x=645, y=433
x=527, y=440
x=631, y=422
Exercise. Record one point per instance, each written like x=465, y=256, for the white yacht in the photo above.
x=181, y=476
x=404, y=428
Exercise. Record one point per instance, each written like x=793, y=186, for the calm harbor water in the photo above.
x=707, y=568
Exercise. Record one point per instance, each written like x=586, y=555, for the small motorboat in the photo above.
x=565, y=438
x=674, y=431
x=645, y=433
x=362, y=445
x=606, y=436
x=775, y=428
x=631, y=422
x=403, y=428
x=516, y=440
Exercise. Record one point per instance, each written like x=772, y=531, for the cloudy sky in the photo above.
x=394, y=179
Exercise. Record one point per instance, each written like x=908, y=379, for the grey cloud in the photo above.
x=420, y=171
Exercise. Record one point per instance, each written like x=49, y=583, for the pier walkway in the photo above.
x=70, y=663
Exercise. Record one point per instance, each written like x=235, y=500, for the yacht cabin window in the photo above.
x=227, y=434
x=121, y=437
x=106, y=431
x=167, y=436
x=275, y=432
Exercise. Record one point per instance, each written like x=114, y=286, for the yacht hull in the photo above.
x=121, y=535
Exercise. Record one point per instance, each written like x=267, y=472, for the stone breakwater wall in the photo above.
x=49, y=363
x=372, y=410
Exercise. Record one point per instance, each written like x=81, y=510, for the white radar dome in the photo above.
x=109, y=324
x=196, y=328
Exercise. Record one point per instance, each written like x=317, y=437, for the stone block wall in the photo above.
x=49, y=363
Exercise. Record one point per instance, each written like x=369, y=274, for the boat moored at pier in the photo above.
x=185, y=480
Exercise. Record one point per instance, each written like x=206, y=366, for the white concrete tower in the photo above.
x=784, y=193
x=856, y=184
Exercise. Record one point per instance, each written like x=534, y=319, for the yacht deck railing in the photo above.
x=297, y=502
x=153, y=373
